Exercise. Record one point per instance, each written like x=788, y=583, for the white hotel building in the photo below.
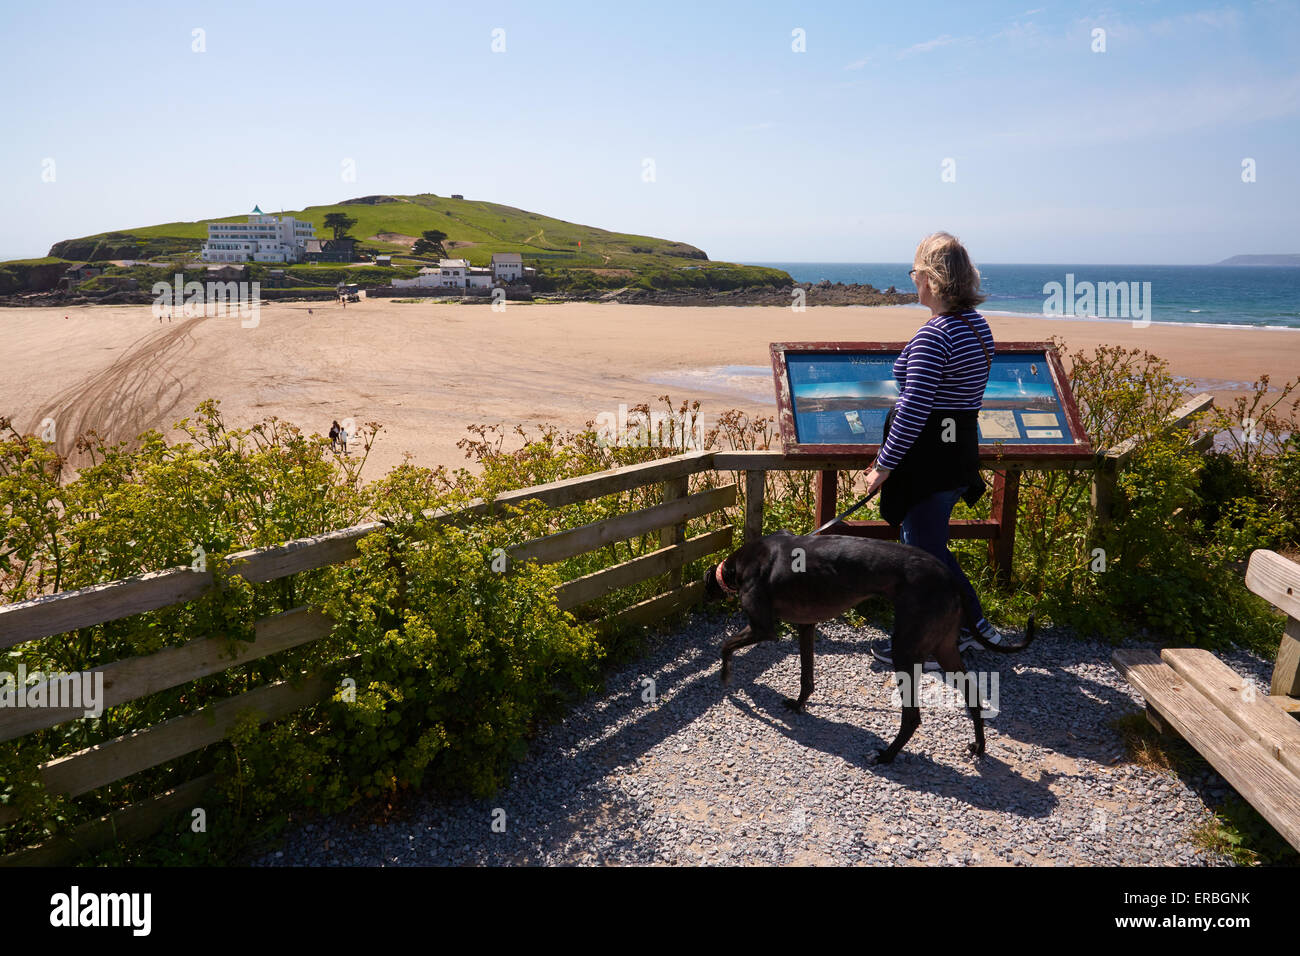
x=262, y=239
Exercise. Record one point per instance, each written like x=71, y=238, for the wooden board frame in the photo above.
x=1080, y=450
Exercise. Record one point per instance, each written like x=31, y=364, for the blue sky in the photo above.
x=1061, y=154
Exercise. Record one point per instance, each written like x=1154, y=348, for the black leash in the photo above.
x=840, y=517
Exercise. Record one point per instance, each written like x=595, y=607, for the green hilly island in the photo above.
x=567, y=256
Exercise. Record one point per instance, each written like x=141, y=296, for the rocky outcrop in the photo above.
x=822, y=293
x=20, y=277
x=123, y=245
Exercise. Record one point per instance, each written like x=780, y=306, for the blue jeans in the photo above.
x=926, y=527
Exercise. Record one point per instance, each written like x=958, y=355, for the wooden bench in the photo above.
x=1250, y=737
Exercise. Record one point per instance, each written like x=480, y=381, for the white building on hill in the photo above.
x=454, y=272
x=507, y=266
x=459, y=274
x=262, y=239
x=427, y=279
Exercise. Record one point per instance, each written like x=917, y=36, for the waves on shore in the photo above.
x=1251, y=297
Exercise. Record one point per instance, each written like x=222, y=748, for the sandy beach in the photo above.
x=427, y=371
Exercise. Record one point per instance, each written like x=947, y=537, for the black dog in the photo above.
x=804, y=580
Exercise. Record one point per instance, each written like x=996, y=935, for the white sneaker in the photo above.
x=883, y=652
x=966, y=640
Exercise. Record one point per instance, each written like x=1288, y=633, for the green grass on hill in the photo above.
x=42, y=261
x=476, y=229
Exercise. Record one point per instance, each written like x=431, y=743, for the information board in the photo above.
x=833, y=398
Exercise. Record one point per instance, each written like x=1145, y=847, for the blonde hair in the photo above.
x=953, y=277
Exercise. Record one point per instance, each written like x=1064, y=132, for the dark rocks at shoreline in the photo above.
x=139, y=297
x=821, y=293
x=815, y=294
x=38, y=300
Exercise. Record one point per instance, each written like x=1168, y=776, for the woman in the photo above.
x=930, y=454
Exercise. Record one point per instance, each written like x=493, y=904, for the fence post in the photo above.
x=755, y=489
x=1104, y=482
x=674, y=488
x=1109, y=462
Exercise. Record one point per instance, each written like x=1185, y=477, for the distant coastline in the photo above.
x=1271, y=259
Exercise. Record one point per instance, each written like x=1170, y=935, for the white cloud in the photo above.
x=1021, y=34
x=929, y=45
x=1218, y=18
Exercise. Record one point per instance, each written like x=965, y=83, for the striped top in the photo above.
x=942, y=368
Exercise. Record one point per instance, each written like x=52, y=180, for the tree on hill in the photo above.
x=340, y=223
x=430, y=243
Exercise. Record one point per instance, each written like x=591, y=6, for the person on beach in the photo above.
x=929, y=457
x=334, y=436
x=343, y=439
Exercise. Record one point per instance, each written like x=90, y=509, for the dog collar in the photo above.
x=717, y=573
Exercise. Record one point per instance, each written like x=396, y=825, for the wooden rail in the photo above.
x=1112, y=461
x=69, y=610
x=1277, y=580
x=110, y=761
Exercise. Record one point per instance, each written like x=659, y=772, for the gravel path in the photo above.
x=707, y=775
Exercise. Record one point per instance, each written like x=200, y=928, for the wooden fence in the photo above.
x=1112, y=461
x=127, y=680
x=133, y=678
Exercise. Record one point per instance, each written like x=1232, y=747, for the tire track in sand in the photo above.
x=136, y=392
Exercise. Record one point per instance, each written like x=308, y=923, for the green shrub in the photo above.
x=1183, y=523
x=442, y=666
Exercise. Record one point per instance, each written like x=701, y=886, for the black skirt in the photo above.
x=932, y=465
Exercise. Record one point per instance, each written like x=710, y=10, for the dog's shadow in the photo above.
x=1001, y=787
x=1050, y=694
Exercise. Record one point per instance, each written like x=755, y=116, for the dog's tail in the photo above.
x=970, y=617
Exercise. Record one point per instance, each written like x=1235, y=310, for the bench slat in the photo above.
x=1277, y=732
x=1267, y=785
x=1276, y=579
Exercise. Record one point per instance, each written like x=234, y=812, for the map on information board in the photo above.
x=841, y=397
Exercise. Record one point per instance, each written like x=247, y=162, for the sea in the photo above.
x=1232, y=296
